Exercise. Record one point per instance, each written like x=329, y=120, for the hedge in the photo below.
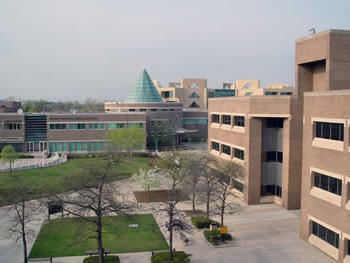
x=202, y=222
x=163, y=257
x=108, y=259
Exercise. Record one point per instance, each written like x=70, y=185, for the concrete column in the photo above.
x=253, y=176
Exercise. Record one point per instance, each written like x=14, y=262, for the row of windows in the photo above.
x=325, y=234
x=195, y=121
x=12, y=126
x=328, y=183
x=153, y=110
x=227, y=120
x=93, y=126
x=77, y=146
x=236, y=153
x=331, y=131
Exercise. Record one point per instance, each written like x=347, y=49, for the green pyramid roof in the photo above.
x=144, y=91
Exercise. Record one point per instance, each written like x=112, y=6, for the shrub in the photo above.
x=214, y=236
x=108, y=259
x=163, y=257
x=202, y=222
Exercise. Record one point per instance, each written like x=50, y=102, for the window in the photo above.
x=238, y=153
x=143, y=110
x=194, y=105
x=270, y=93
x=347, y=247
x=268, y=190
x=272, y=156
x=154, y=109
x=215, y=146
x=328, y=183
x=226, y=119
x=238, y=185
x=274, y=123
x=215, y=118
x=132, y=109
x=195, y=121
x=330, y=131
x=194, y=95
x=325, y=234
x=239, y=121
x=226, y=149
x=58, y=126
x=286, y=93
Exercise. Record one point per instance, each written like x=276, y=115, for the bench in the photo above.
x=40, y=260
x=92, y=252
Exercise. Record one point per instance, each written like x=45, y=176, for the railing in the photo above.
x=33, y=163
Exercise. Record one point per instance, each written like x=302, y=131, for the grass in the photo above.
x=55, y=178
x=73, y=236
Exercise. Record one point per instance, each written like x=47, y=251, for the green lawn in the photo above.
x=56, y=177
x=73, y=236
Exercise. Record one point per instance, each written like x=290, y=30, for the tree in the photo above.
x=173, y=164
x=147, y=179
x=195, y=169
x=23, y=212
x=127, y=140
x=226, y=172
x=9, y=154
x=93, y=196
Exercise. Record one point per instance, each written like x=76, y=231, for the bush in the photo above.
x=214, y=236
x=163, y=257
x=108, y=259
x=202, y=222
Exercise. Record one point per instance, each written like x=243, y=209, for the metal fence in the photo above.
x=32, y=163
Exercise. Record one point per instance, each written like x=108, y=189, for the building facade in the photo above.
x=323, y=75
x=65, y=133
x=263, y=134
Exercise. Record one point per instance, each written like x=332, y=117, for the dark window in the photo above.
x=215, y=146
x=331, y=131
x=215, y=118
x=226, y=119
x=226, y=149
x=328, y=183
x=272, y=156
x=238, y=185
x=348, y=247
x=132, y=109
x=286, y=93
x=325, y=234
x=239, y=121
x=267, y=190
x=238, y=153
x=154, y=109
x=274, y=123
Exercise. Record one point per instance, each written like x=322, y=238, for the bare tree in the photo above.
x=195, y=169
x=225, y=172
x=23, y=212
x=92, y=198
x=173, y=165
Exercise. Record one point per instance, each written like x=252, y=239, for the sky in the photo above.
x=78, y=49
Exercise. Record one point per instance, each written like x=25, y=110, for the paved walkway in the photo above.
x=264, y=233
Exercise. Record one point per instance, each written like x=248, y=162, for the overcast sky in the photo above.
x=74, y=49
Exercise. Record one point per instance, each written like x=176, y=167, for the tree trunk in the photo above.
x=10, y=167
x=171, y=232
x=208, y=203
x=194, y=200
x=99, y=239
x=222, y=216
x=24, y=238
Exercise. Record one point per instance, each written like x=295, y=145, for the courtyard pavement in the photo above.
x=264, y=233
